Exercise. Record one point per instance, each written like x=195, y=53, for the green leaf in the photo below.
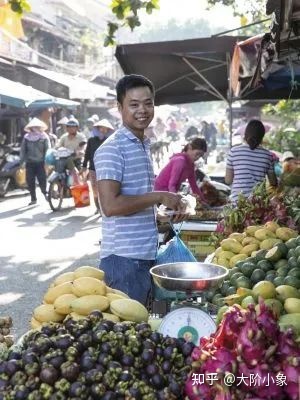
x=109, y=41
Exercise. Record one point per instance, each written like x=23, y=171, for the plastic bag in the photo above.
x=173, y=251
x=50, y=157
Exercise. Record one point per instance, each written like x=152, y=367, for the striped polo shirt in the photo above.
x=126, y=159
x=249, y=168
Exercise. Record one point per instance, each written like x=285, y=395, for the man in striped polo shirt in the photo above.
x=125, y=186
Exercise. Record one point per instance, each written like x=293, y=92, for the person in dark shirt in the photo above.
x=103, y=129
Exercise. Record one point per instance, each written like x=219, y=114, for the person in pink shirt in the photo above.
x=181, y=167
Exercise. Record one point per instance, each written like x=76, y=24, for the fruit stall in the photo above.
x=230, y=332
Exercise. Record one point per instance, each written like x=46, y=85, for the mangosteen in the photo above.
x=159, y=351
x=12, y=366
x=58, y=396
x=62, y=385
x=32, y=369
x=107, y=325
x=168, y=352
x=155, y=337
x=14, y=355
x=57, y=361
x=158, y=381
x=109, y=395
x=170, y=341
x=86, y=363
x=104, y=359
x=126, y=376
x=49, y=329
x=100, y=368
x=119, y=327
x=93, y=376
x=70, y=371
x=3, y=384
x=166, y=366
x=175, y=388
x=49, y=375
x=21, y=393
x=95, y=316
x=63, y=342
x=18, y=378
x=29, y=357
x=135, y=393
x=147, y=356
x=127, y=360
x=187, y=348
x=106, y=348
x=85, y=340
x=72, y=352
x=152, y=369
x=77, y=389
x=97, y=390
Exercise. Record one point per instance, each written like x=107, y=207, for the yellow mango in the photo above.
x=35, y=324
x=53, y=293
x=113, y=296
x=62, y=278
x=117, y=291
x=292, y=305
x=87, y=285
x=251, y=229
x=269, y=243
x=286, y=233
x=231, y=245
x=224, y=262
x=46, y=313
x=62, y=304
x=226, y=254
x=129, y=310
x=249, y=248
x=111, y=317
x=237, y=236
x=88, y=271
x=236, y=258
x=250, y=240
x=86, y=304
x=218, y=251
x=264, y=233
x=272, y=226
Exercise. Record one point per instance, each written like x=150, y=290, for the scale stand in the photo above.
x=189, y=319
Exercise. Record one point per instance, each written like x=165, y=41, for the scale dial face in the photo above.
x=188, y=323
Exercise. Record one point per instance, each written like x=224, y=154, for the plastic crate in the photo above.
x=195, y=236
x=198, y=243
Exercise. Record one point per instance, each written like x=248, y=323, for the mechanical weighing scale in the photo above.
x=189, y=316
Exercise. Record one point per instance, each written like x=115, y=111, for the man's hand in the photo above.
x=173, y=201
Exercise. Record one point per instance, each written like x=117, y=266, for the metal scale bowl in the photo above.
x=191, y=279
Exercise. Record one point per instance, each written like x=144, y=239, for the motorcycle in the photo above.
x=12, y=175
x=61, y=179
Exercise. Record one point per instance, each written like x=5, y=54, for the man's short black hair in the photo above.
x=132, y=81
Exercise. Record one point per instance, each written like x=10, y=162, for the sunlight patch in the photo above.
x=10, y=297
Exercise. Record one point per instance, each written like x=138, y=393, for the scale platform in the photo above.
x=188, y=315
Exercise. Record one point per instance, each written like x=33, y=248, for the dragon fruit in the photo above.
x=292, y=375
x=249, y=345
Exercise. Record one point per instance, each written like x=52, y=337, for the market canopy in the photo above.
x=16, y=94
x=182, y=71
x=78, y=88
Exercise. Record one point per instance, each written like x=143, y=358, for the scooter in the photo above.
x=12, y=176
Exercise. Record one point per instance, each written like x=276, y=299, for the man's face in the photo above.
x=72, y=130
x=137, y=109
